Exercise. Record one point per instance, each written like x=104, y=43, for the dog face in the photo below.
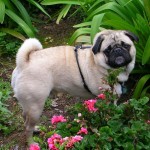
x=114, y=49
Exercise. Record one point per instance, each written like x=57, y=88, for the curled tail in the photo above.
x=26, y=48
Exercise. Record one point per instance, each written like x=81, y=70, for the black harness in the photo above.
x=76, y=54
x=123, y=87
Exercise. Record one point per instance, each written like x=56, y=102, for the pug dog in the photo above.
x=40, y=72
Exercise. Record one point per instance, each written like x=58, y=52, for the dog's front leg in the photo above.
x=123, y=76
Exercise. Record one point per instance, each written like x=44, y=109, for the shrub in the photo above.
x=15, y=12
x=99, y=124
x=5, y=114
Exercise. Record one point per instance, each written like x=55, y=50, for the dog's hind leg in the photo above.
x=32, y=101
x=31, y=119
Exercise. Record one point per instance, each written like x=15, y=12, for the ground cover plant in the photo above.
x=99, y=124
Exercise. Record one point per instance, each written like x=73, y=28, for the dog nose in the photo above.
x=119, y=60
x=117, y=50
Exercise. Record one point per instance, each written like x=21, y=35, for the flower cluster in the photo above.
x=34, y=147
x=53, y=140
x=89, y=104
x=83, y=131
x=102, y=96
x=72, y=140
x=56, y=119
x=69, y=142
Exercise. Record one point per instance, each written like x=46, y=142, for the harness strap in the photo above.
x=76, y=54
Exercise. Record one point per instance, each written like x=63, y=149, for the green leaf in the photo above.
x=84, y=24
x=140, y=86
x=53, y=2
x=137, y=125
x=9, y=5
x=24, y=13
x=2, y=9
x=115, y=125
x=96, y=22
x=119, y=24
x=78, y=33
x=39, y=7
x=147, y=7
x=145, y=91
x=13, y=33
x=84, y=39
x=20, y=22
x=146, y=53
x=63, y=13
x=144, y=100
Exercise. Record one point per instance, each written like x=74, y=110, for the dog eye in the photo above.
x=107, y=50
x=125, y=45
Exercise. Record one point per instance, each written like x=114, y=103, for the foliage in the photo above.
x=8, y=45
x=125, y=126
x=132, y=15
x=5, y=114
x=15, y=11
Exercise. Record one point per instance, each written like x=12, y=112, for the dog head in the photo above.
x=114, y=48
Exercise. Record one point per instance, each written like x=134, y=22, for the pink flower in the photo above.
x=79, y=114
x=102, y=96
x=77, y=138
x=73, y=140
x=34, y=147
x=148, y=121
x=89, y=104
x=83, y=131
x=54, y=139
x=56, y=119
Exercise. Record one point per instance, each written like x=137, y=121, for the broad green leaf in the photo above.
x=84, y=24
x=120, y=25
x=53, y=2
x=13, y=33
x=144, y=100
x=96, y=4
x=83, y=39
x=2, y=9
x=145, y=91
x=146, y=53
x=147, y=7
x=111, y=6
x=63, y=13
x=9, y=5
x=24, y=13
x=20, y=22
x=38, y=6
x=78, y=33
x=140, y=85
x=96, y=22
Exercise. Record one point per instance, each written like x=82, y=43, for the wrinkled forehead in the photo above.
x=114, y=38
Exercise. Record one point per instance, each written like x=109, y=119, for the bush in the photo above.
x=99, y=124
x=14, y=14
x=5, y=114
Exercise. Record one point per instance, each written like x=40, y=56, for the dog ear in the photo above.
x=132, y=36
x=97, y=44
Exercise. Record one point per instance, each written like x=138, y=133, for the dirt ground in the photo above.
x=50, y=34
